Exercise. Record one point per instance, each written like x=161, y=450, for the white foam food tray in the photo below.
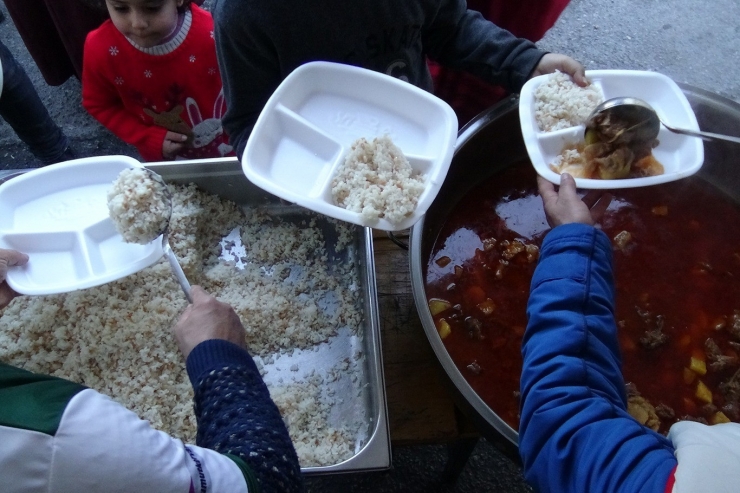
x=305, y=131
x=680, y=155
x=58, y=215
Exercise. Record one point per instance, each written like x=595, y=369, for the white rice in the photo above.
x=116, y=338
x=377, y=181
x=307, y=412
x=138, y=205
x=561, y=103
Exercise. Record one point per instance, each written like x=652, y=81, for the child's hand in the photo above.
x=553, y=61
x=173, y=143
x=565, y=207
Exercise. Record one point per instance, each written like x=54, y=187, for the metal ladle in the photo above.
x=643, y=121
x=167, y=249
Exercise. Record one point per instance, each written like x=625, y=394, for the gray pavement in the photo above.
x=692, y=41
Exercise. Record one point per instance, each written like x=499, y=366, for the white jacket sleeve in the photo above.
x=101, y=446
x=708, y=457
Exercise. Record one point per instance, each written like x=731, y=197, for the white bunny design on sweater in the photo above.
x=206, y=131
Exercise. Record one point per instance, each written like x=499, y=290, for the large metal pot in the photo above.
x=492, y=142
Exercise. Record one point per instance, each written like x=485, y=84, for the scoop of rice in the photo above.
x=561, y=103
x=139, y=206
x=377, y=181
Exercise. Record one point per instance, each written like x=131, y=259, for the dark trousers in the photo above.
x=22, y=109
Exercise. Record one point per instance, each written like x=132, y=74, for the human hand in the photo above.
x=173, y=143
x=554, y=61
x=207, y=318
x=9, y=258
x=565, y=207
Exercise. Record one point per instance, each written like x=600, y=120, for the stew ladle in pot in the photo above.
x=643, y=122
x=167, y=249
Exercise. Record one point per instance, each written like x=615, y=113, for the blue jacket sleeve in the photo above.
x=237, y=417
x=575, y=433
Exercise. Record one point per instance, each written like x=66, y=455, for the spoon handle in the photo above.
x=177, y=269
x=703, y=135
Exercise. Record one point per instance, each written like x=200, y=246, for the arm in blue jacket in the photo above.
x=575, y=433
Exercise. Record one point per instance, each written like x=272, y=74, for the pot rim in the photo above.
x=417, y=285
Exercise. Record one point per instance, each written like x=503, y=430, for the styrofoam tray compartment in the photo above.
x=58, y=215
x=680, y=155
x=306, y=129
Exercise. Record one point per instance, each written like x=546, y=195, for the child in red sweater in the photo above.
x=150, y=75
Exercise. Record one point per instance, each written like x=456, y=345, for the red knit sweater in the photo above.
x=176, y=86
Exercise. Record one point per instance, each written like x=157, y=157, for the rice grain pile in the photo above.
x=116, y=338
x=377, y=181
x=308, y=414
x=138, y=205
x=561, y=103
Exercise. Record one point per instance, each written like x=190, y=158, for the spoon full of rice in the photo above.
x=140, y=205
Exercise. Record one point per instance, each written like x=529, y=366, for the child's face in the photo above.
x=145, y=22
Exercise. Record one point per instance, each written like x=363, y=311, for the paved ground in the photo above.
x=693, y=42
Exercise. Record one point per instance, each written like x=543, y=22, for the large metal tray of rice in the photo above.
x=303, y=285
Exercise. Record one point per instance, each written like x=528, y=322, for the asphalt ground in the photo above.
x=693, y=42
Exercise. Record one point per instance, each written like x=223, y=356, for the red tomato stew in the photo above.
x=677, y=272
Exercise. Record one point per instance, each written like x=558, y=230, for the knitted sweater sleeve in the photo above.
x=237, y=417
x=575, y=433
x=463, y=39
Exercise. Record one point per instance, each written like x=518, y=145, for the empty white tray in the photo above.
x=307, y=127
x=58, y=215
x=680, y=155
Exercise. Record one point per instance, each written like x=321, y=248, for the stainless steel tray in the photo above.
x=362, y=402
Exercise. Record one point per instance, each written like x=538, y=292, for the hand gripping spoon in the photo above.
x=171, y=257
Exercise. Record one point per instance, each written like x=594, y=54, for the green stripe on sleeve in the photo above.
x=32, y=401
x=252, y=485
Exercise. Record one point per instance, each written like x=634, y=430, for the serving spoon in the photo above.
x=166, y=248
x=643, y=121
